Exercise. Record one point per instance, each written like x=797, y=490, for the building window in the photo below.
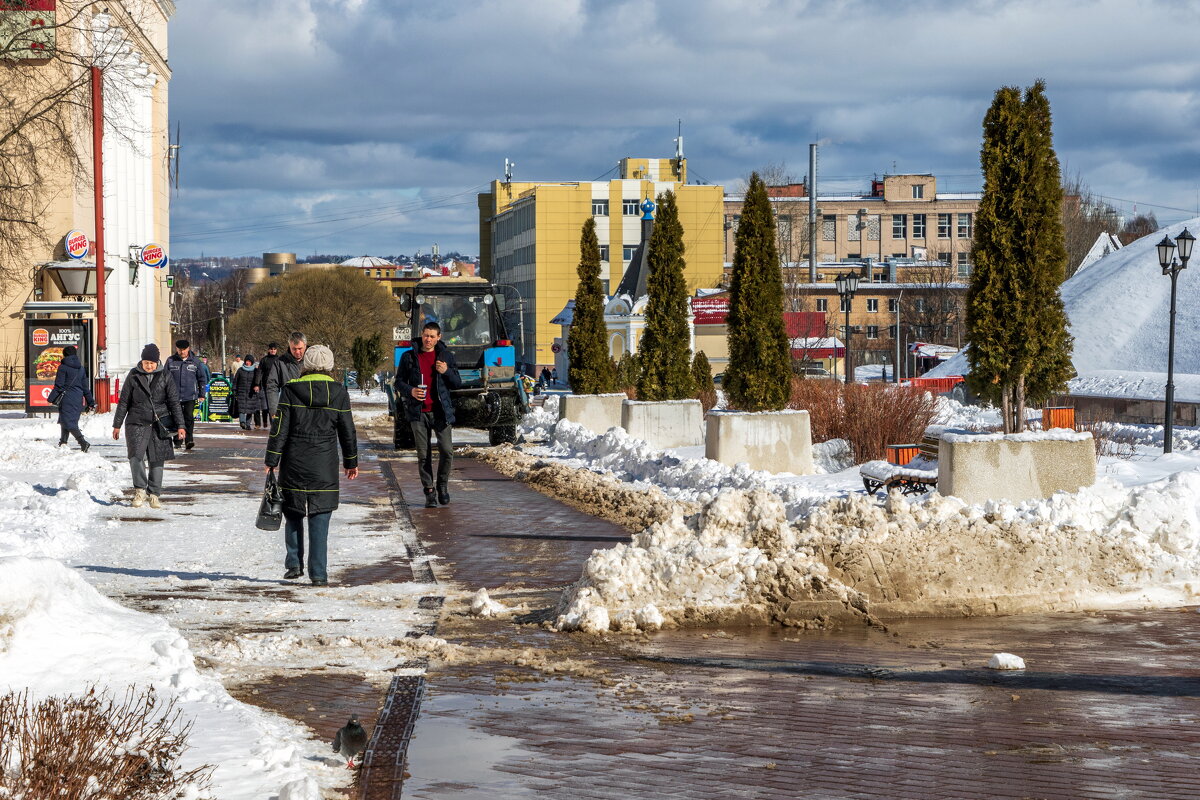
x=891, y=331
x=966, y=228
x=944, y=226
x=604, y=252
x=872, y=331
x=919, y=305
x=844, y=306
x=873, y=305
x=893, y=304
x=943, y=256
x=783, y=227
x=828, y=228
x=964, y=264
x=899, y=226
x=918, y=226
x=732, y=222
x=901, y=254
x=630, y=207
x=822, y=304
x=599, y=208
x=627, y=251
x=853, y=256
x=918, y=191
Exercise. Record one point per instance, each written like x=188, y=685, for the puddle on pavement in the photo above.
x=447, y=754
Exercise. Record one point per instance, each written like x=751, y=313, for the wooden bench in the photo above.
x=878, y=475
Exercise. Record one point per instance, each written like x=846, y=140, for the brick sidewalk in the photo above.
x=1108, y=707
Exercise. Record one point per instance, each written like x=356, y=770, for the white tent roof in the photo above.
x=366, y=262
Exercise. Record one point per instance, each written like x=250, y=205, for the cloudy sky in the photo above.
x=368, y=126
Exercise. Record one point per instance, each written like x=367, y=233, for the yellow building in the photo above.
x=128, y=42
x=529, y=238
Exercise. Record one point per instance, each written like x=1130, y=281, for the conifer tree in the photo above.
x=759, y=375
x=590, y=369
x=702, y=372
x=1016, y=323
x=664, y=354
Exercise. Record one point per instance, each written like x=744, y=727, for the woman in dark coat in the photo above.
x=243, y=389
x=146, y=394
x=312, y=420
x=77, y=392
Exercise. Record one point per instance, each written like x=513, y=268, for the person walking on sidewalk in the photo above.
x=265, y=365
x=147, y=394
x=190, y=377
x=424, y=379
x=285, y=368
x=243, y=389
x=76, y=389
x=312, y=420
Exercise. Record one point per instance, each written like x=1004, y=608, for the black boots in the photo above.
x=443, y=494
x=85, y=445
x=430, y=499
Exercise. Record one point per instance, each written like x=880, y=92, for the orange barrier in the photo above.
x=1058, y=417
x=901, y=454
x=936, y=385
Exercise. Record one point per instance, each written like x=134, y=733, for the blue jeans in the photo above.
x=318, y=538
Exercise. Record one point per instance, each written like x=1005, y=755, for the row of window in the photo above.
x=626, y=252
x=629, y=208
x=856, y=224
x=918, y=331
x=919, y=305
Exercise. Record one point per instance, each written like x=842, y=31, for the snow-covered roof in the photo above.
x=566, y=316
x=366, y=262
x=1105, y=243
x=815, y=342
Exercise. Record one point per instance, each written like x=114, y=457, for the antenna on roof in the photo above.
x=508, y=169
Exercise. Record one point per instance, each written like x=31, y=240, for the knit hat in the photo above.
x=70, y=350
x=249, y=359
x=150, y=353
x=317, y=358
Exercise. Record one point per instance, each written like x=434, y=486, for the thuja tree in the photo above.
x=702, y=372
x=758, y=377
x=1016, y=326
x=665, y=357
x=591, y=369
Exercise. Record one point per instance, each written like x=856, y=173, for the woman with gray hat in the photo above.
x=313, y=419
x=147, y=397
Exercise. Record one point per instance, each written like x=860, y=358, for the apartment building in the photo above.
x=529, y=236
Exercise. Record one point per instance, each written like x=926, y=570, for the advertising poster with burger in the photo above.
x=44, y=343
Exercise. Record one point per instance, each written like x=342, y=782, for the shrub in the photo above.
x=869, y=417
x=94, y=746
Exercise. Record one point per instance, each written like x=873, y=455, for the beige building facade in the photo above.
x=128, y=41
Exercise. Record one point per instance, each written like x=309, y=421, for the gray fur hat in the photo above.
x=317, y=358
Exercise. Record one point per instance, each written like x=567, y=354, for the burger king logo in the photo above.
x=76, y=244
x=41, y=337
x=154, y=256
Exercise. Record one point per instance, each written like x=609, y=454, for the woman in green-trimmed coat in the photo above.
x=312, y=420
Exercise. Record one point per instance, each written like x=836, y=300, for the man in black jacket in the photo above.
x=285, y=368
x=423, y=382
x=188, y=374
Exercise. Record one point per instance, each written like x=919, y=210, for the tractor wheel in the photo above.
x=502, y=434
x=402, y=435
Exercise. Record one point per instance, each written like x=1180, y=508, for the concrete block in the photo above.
x=775, y=441
x=664, y=423
x=596, y=412
x=1017, y=467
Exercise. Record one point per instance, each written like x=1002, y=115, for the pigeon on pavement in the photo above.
x=350, y=740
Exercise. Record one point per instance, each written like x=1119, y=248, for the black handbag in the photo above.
x=163, y=423
x=270, y=510
x=56, y=395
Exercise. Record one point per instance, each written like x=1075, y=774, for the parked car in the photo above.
x=815, y=371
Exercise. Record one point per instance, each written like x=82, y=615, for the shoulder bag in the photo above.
x=56, y=395
x=270, y=510
x=163, y=423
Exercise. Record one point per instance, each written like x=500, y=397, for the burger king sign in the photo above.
x=154, y=256
x=76, y=244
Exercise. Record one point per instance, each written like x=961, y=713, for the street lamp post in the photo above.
x=847, y=285
x=520, y=314
x=1166, y=260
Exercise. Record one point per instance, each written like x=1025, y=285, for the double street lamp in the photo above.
x=847, y=285
x=1166, y=260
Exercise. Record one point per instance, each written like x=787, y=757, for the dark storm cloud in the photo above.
x=294, y=110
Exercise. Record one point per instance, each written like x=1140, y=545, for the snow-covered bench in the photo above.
x=916, y=477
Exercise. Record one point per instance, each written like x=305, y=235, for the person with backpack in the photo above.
x=150, y=411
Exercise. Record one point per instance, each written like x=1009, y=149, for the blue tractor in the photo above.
x=468, y=310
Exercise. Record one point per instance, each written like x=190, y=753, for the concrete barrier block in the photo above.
x=596, y=412
x=775, y=441
x=664, y=423
x=1023, y=466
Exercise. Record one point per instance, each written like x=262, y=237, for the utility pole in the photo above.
x=896, y=376
x=224, y=361
x=812, y=213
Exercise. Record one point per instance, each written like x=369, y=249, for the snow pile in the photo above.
x=538, y=424
x=484, y=606
x=1006, y=661
x=1105, y=546
x=58, y=635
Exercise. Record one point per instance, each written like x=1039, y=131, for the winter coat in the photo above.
x=188, y=376
x=313, y=419
x=243, y=388
x=73, y=380
x=408, y=376
x=285, y=368
x=266, y=365
x=137, y=412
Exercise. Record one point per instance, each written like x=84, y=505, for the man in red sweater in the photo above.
x=424, y=378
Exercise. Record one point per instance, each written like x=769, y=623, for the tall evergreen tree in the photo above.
x=1016, y=324
x=702, y=372
x=758, y=376
x=664, y=354
x=590, y=370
